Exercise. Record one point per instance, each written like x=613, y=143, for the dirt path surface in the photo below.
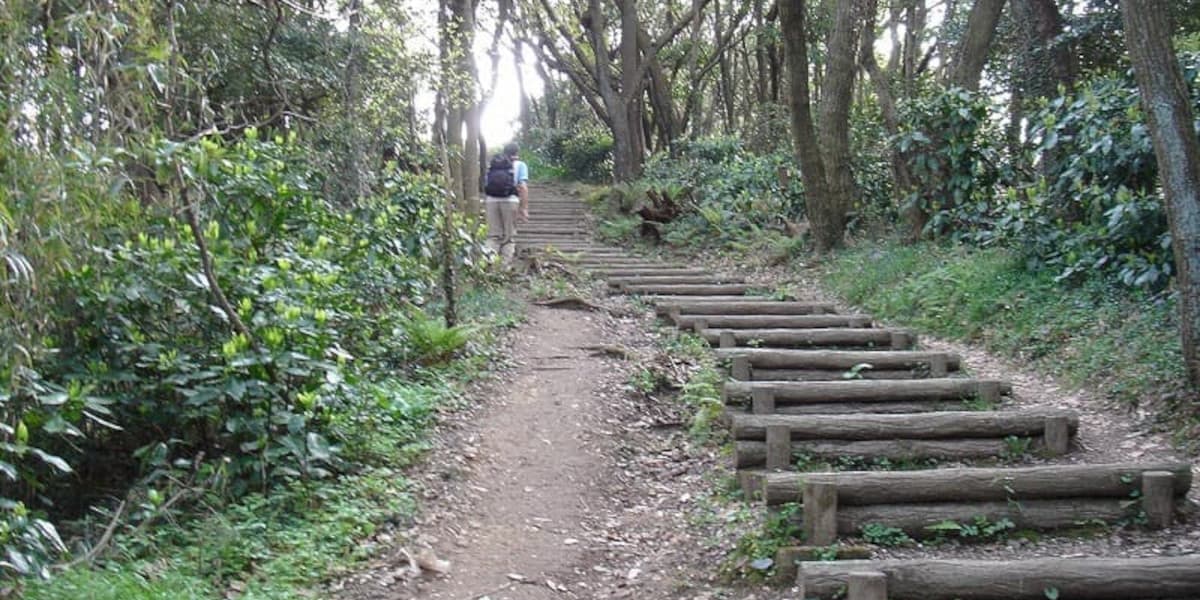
x=534, y=474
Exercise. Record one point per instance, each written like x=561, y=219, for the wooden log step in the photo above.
x=844, y=408
x=826, y=375
x=943, y=425
x=707, y=278
x=860, y=488
x=601, y=262
x=659, y=300
x=689, y=321
x=1072, y=578
x=756, y=454
x=844, y=337
x=697, y=289
x=921, y=521
x=740, y=306
x=799, y=392
x=566, y=249
x=650, y=271
x=841, y=360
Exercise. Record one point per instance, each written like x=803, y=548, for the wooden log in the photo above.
x=1057, y=435
x=828, y=375
x=849, y=408
x=921, y=426
x=920, y=520
x=779, y=447
x=820, y=513
x=598, y=262
x=787, y=557
x=618, y=272
x=725, y=339
x=744, y=306
x=739, y=368
x=816, y=338
x=709, y=278
x=773, y=358
x=752, y=454
x=775, y=321
x=762, y=402
x=663, y=304
x=1113, y=480
x=1073, y=578
x=868, y=585
x=798, y=392
x=689, y=289
x=1158, y=491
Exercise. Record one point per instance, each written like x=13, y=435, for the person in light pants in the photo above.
x=505, y=212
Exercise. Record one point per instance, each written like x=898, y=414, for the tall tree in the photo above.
x=612, y=81
x=824, y=156
x=458, y=89
x=1167, y=102
x=972, y=52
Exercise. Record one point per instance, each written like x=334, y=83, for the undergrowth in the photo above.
x=277, y=546
x=1122, y=341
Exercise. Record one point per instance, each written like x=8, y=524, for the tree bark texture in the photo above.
x=1166, y=101
x=972, y=52
x=836, y=99
x=792, y=22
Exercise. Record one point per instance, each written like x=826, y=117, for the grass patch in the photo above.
x=1119, y=340
x=283, y=545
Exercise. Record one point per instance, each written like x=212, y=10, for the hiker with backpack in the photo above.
x=507, y=200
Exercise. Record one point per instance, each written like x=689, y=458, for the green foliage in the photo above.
x=583, y=153
x=883, y=535
x=989, y=296
x=142, y=371
x=1095, y=206
x=733, y=194
x=429, y=340
x=979, y=529
x=949, y=145
x=702, y=392
x=754, y=555
x=1017, y=447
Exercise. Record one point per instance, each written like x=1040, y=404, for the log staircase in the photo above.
x=807, y=382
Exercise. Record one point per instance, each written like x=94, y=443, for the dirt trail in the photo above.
x=534, y=476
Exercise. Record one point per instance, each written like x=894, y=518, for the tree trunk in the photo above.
x=841, y=68
x=792, y=19
x=1044, y=62
x=1168, y=110
x=526, y=115
x=354, y=186
x=972, y=51
x=629, y=100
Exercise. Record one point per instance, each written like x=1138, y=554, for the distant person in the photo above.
x=507, y=190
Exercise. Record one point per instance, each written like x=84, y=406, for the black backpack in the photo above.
x=500, y=181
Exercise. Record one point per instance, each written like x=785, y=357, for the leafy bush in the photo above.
x=146, y=369
x=949, y=145
x=1096, y=206
x=583, y=154
x=733, y=193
